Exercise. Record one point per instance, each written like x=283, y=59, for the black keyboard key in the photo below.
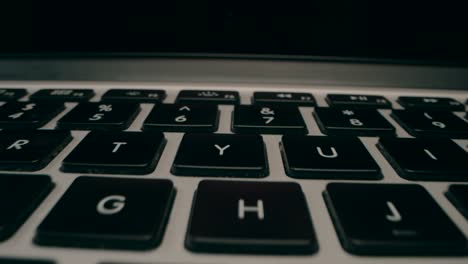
x=458, y=195
x=63, y=95
x=183, y=118
x=430, y=103
x=206, y=96
x=221, y=155
x=357, y=101
x=27, y=115
x=391, y=219
x=268, y=120
x=11, y=94
x=102, y=116
x=316, y=157
x=134, y=95
x=109, y=213
x=24, y=261
x=426, y=159
x=116, y=152
x=19, y=197
x=299, y=99
x=431, y=123
x=357, y=122
x=30, y=150
x=250, y=217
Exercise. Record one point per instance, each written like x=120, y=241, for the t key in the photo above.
x=104, y=116
x=116, y=152
x=30, y=150
x=431, y=123
x=221, y=155
x=391, y=219
x=426, y=159
x=358, y=122
x=109, y=213
x=332, y=157
x=191, y=118
x=27, y=115
x=268, y=120
x=250, y=217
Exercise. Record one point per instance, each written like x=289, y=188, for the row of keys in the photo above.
x=234, y=217
x=246, y=119
x=232, y=97
x=234, y=155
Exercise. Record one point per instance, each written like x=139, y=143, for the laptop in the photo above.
x=235, y=134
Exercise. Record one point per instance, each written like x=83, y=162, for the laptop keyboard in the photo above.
x=232, y=175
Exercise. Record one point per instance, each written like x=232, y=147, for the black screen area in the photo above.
x=329, y=29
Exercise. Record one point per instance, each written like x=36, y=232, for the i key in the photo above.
x=28, y=115
x=207, y=96
x=302, y=99
x=221, y=155
x=134, y=95
x=183, y=118
x=357, y=122
x=426, y=159
x=431, y=123
x=116, y=152
x=19, y=197
x=268, y=120
x=357, y=101
x=63, y=95
x=391, y=219
x=30, y=150
x=430, y=103
x=333, y=157
x=102, y=116
x=250, y=217
x=109, y=213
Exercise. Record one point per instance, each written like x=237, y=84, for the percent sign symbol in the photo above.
x=105, y=108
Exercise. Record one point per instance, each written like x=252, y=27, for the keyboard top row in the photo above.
x=232, y=97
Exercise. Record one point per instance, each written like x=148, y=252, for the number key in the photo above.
x=268, y=119
x=103, y=116
x=27, y=115
x=359, y=122
x=431, y=123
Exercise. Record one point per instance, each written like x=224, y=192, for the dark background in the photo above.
x=416, y=31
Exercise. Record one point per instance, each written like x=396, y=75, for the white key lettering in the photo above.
x=117, y=146
x=16, y=116
x=333, y=154
x=355, y=122
x=28, y=107
x=117, y=202
x=221, y=149
x=18, y=144
x=430, y=154
x=394, y=215
x=243, y=209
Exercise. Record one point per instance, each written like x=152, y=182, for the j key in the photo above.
x=30, y=150
x=19, y=197
x=24, y=261
x=24, y=115
x=250, y=217
x=104, y=116
x=11, y=94
x=430, y=103
x=357, y=100
x=391, y=219
x=221, y=155
x=109, y=213
x=426, y=159
x=332, y=157
x=134, y=95
x=431, y=123
x=268, y=120
x=303, y=99
x=218, y=97
x=63, y=95
x=116, y=152
x=458, y=195
x=358, y=122
x=187, y=118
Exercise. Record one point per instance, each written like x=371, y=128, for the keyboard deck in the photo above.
x=270, y=166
